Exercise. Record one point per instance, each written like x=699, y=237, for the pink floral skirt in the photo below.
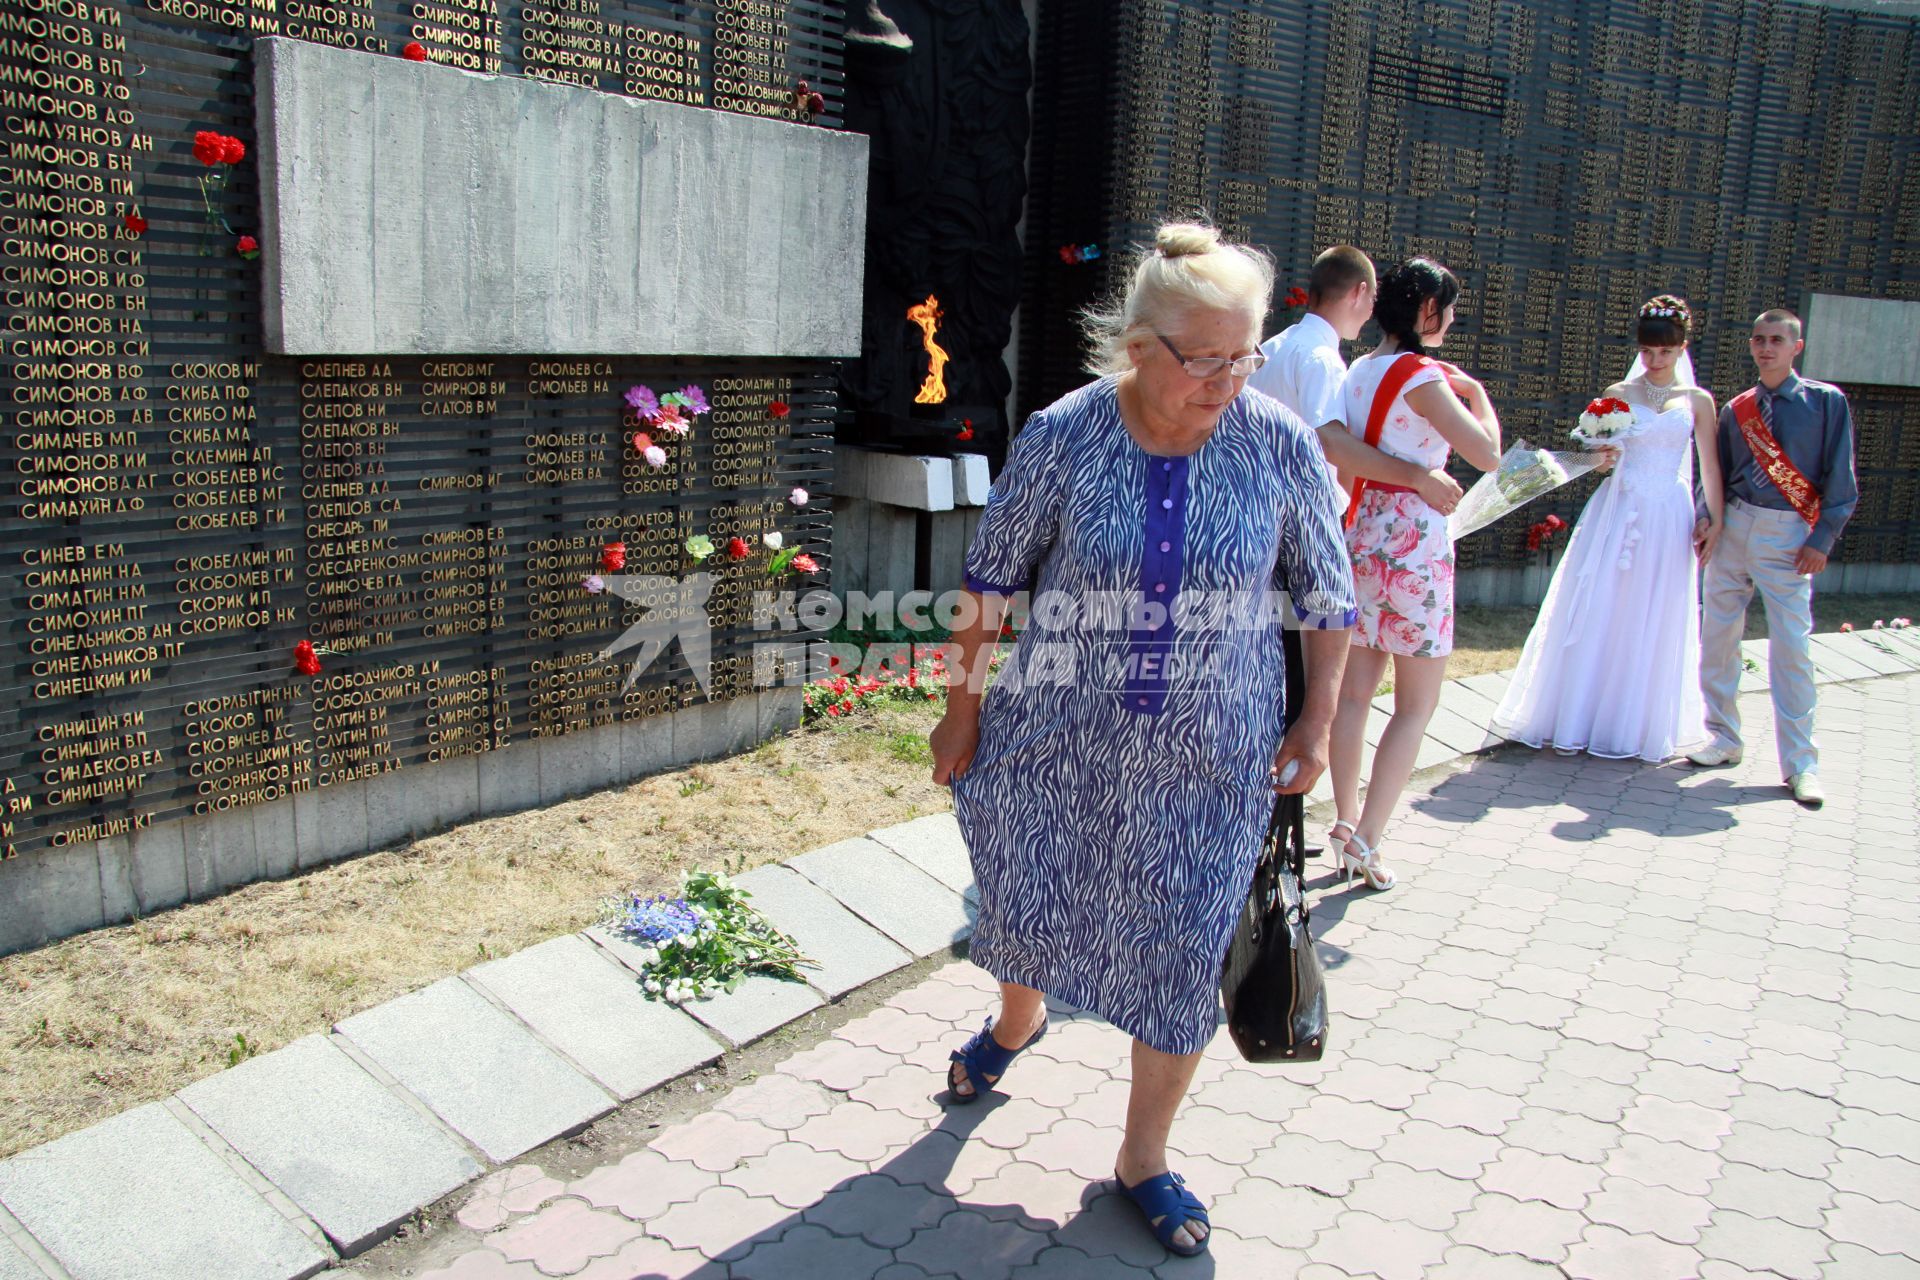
x=1402, y=576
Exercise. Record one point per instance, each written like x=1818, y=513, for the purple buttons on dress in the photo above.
x=1167, y=503
x=1166, y=546
x=1166, y=466
x=1159, y=587
x=1143, y=702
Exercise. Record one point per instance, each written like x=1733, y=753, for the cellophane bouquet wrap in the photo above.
x=1525, y=473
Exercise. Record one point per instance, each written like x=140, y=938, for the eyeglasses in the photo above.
x=1210, y=366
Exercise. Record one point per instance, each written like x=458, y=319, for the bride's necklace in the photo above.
x=1658, y=393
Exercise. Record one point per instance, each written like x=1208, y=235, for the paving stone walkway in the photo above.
x=1617, y=1021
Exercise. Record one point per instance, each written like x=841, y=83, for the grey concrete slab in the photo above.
x=158, y=870
x=756, y=1007
x=275, y=839
x=646, y=746
x=440, y=794
x=1433, y=752
x=220, y=852
x=739, y=727
x=743, y=236
x=1468, y=703
x=1491, y=685
x=1455, y=732
x=1832, y=662
x=1859, y=646
x=329, y=821
x=592, y=1010
x=509, y=778
x=15, y=1265
x=846, y=951
x=933, y=844
x=894, y=896
x=580, y=762
x=1862, y=340
x=479, y=1069
x=781, y=709
x=117, y=900
x=693, y=733
x=140, y=1196
x=47, y=894
x=356, y=1158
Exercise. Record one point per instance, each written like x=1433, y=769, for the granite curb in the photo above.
x=321, y=1149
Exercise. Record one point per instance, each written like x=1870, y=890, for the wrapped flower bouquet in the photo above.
x=1525, y=473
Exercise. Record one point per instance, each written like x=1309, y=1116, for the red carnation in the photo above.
x=804, y=563
x=305, y=660
x=778, y=408
x=966, y=429
x=232, y=150
x=247, y=247
x=135, y=224
x=209, y=148
x=816, y=104
x=1296, y=297
x=414, y=52
x=613, y=557
x=737, y=549
x=1555, y=523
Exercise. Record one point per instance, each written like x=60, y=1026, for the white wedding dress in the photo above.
x=1612, y=665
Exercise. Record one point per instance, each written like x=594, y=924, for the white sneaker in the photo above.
x=1716, y=755
x=1807, y=790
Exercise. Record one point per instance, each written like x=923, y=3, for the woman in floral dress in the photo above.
x=1402, y=554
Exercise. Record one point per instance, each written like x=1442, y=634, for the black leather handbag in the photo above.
x=1275, y=993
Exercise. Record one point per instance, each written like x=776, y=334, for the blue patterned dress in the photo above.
x=1120, y=791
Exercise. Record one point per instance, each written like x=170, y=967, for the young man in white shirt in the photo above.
x=1304, y=372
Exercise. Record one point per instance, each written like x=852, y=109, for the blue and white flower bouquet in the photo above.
x=703, y=941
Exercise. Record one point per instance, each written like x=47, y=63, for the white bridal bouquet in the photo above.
x=1525, y=473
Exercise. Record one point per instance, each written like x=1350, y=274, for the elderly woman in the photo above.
x=1115, y=787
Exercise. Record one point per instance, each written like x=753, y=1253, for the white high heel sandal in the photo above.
x=1367, y=863
x=1337, y=843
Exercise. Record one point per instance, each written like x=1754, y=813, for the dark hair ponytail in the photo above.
x=1405, y=290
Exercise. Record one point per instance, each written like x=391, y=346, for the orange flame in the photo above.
x=927, y=316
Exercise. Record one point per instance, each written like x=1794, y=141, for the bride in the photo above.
x=1611, y=666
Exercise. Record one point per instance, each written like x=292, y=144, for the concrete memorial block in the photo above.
x=1862, y=340
x=356, y=1158
x=1834, y=661
x=1859, y=647
x=847, y=951
x=896, y=897
x=478, y=1069
x=933, y=844
x=140, y=1195
x=1455, y=732
x=591, y=1009
x=915, y=481
x=409, y=208
x=971, y=480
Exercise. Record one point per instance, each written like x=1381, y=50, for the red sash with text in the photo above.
x=1794, y=487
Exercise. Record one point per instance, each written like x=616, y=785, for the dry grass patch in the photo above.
x=99, y=1023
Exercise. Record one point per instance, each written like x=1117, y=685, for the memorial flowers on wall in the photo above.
x=219, y=153
x=669, y=417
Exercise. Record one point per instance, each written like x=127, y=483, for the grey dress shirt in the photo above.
x=1814, y=426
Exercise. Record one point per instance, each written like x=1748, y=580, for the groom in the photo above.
x=1786, y=450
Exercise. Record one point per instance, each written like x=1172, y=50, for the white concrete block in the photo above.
x=915, y=481
x=412, y=208
x=970, y=480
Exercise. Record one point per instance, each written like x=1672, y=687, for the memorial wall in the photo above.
x=1567, y=158
x=181, y=509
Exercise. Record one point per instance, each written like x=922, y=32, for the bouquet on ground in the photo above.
x=1525, y=473
x=703, y=941
x=1605, y=421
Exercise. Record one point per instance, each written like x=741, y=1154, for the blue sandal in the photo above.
x=986, y=1061
x=1168, y=1206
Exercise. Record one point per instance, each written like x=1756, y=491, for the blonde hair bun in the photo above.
x=1185, y=239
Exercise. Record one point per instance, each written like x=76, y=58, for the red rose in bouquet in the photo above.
x=613, y=557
